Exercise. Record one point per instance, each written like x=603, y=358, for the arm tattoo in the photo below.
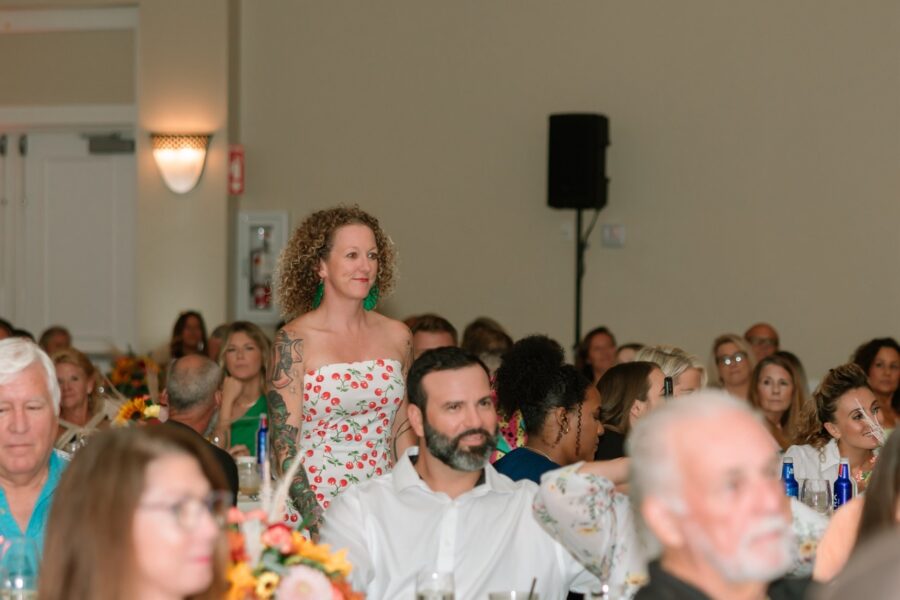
x=286, y=354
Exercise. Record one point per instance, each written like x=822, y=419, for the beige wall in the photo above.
x=182, y=240
x=84, y=67
x=753, y=160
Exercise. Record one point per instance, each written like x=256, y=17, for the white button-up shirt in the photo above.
x=395, y=526
x=817, y=463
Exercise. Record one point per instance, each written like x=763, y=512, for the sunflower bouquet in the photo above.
x=136, y=410
x=281, y=563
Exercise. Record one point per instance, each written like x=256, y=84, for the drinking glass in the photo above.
x=249, y=480
x=19, y=565
x=434, y=585
x=816, y=494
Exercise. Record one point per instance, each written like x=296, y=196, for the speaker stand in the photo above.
x=581, y=246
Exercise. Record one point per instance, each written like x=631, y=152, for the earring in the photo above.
x=317, y=297
x=371, y=300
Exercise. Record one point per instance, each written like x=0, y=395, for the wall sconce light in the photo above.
x=180, y=159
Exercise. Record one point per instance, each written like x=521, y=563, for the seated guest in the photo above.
x=54, y=339
x=864, y=517
x=628, y=392
x=721, y=517
x=848, y=425
x=188, y=337
x=486, y=339
x=627, y=352
x=799, y=372
x=193, y=397
x=431, y=331
x=560, y=408
x=871, y=573
x=139, y=515
x=245, y=358
x=443, y=506
x=596, y=353
x=763, y=340
x=777, y=392
x=29, y=468
x=880, y=360
x=81, y=408
x=216, y=341
x=687, y=372
x=733, y=363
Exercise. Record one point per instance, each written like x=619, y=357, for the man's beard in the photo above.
x=747, y=564
x=449, y=452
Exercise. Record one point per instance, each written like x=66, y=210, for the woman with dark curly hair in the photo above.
x=337, y=394
x=880, y=359
x=560, y=408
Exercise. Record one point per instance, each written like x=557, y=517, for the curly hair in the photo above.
x=297, y=276
x=865, y=355
x=838, y=382
x=535, y=379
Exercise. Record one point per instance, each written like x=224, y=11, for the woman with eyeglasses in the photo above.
x=733, y=362
x=138, y=514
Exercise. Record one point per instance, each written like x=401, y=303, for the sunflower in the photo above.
x=133, y=410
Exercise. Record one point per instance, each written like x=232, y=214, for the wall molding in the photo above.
x=50, y=20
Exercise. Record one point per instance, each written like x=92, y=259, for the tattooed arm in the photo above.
x=402, y=435
x=285, y=399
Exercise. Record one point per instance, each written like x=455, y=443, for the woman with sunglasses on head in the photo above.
x=733, y=363
x=848, y=425
x=138, y=514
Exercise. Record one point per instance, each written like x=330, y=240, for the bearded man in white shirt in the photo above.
x=444, y=508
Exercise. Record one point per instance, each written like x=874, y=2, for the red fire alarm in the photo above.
x=236, y=169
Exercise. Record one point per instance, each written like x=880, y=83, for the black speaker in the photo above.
x=576, y=168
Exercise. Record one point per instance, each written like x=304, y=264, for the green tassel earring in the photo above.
x=317, y=297
x=371, y=300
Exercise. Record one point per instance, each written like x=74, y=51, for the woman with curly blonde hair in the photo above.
x=336, y=395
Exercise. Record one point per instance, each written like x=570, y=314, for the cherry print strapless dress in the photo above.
x=348, y=409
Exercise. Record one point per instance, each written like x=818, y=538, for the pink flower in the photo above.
x=304, y=583
x=279, y=537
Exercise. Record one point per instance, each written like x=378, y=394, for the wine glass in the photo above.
x=19, y=564
x=434, y=585
x=816, y=494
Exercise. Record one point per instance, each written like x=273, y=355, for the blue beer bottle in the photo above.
x=843, y=487
x=262, y=441
x=791, y=487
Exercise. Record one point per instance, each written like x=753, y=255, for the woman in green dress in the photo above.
x=244, y=358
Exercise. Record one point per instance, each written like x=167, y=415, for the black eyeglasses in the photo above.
x=733, y=359
x=187, y=511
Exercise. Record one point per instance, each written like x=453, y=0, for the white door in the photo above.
x=77, y=241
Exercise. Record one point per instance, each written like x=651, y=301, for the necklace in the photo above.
x=544, y=454
x=860, y=473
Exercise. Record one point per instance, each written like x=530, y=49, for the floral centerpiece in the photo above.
x=130, y=375
x=136, y=410
x=271, y=560
x=287, y=565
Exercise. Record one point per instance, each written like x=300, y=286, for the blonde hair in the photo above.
x=76, y=358
x=738, y=341
x=672, y=361
x=259, y=338
x=297, y=275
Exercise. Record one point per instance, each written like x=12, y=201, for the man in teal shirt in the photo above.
x=29, y=467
